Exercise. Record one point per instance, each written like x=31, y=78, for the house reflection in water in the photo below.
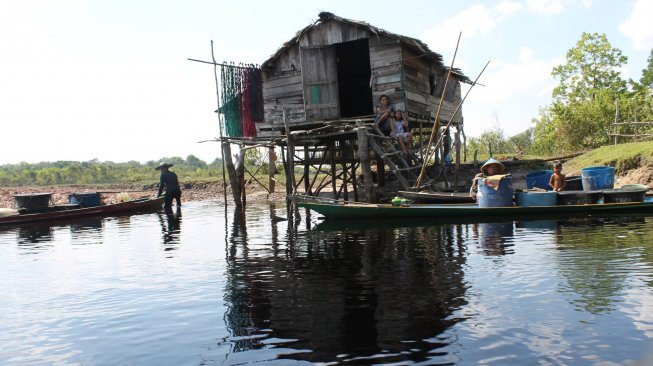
x=356, y=293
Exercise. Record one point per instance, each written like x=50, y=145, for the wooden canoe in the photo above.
x=436, y=197
x=416, y=211
x=111, y=209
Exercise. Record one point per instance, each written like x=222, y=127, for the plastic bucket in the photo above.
x=597, y=177
x=539, y=179
x=85, y=199
x=574, y=183
x=32, y=201
x=531, y=199
x=500, y=197
x=579, y=197
x=624, y=195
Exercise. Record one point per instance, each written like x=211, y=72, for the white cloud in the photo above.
x=514, y=91
x=638, y=26
x=475, y=20
x=553, y=6
x=545, y=6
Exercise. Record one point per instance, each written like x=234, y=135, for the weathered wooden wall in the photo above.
x=303, y=82
x=421, y=100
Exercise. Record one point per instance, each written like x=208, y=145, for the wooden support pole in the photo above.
x=616, y=119
x=307, y=171
x=364, y=158
x=333, y=170
x=354, y=183
x=272, y=169
x=290, y=160
x=457, y=143
x=231, y=170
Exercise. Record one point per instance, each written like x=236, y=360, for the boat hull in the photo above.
x=369, y=211
x=437, y=197
x=117, y=208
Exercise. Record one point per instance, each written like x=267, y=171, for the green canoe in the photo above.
x=345, y=210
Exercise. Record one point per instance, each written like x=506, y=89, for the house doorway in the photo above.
x=354, y=74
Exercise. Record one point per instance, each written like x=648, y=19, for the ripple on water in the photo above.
x=205, y=287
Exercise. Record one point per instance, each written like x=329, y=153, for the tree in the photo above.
x=195, y=162
x=647, y=74
x=592, y=65
x=583, y=107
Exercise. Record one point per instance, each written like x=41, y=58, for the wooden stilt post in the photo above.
x=457, y=143
x=240, y=174
x=307, y=170
x=354, y=182
x=334, y=176
x=290, y=160
x=231, y=170
x=364, y=158
x=272, y=169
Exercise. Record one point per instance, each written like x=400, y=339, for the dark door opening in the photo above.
x=354, y=74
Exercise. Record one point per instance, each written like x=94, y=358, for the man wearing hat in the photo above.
x=170, y=181
x=490, y=168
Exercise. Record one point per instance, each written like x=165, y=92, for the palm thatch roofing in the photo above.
x=412, y=43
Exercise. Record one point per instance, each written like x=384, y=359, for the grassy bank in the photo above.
x=624, y=157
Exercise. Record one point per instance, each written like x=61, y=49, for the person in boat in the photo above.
x=171, y=183
x=400, y=131
x=383, y=115
x=558, y=181
x=490, y=168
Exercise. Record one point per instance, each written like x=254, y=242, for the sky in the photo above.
x=110, y=79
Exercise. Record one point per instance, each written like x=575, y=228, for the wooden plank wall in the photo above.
x=282, y=86
x=417, y=88
x=400, y=74
x=385, y=63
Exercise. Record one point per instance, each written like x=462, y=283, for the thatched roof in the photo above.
x=415, y=44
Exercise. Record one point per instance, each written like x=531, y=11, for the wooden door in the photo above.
x=320, y=79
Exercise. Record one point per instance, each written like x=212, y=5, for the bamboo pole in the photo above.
x=217, y=93
x=616, y=119
x=437, y=117
x=364, y=158
x=454, y=114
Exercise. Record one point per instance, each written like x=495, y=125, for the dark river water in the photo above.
x=214, y=288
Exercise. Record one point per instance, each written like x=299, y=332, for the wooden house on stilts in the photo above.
x=319, y=93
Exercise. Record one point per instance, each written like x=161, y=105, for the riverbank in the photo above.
x=110, y=193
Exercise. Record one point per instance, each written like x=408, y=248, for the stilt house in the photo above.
x=338, y=68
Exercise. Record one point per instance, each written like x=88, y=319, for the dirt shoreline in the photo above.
x=190, y=192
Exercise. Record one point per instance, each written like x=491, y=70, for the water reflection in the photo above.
x=596, y=259
x=170, y=229
x=36, y=237
x=347, y=294
x=495, y=238
x=87, y=231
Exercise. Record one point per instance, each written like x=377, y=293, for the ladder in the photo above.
x=400, y=165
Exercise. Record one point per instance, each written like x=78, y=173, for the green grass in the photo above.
x=623, y=157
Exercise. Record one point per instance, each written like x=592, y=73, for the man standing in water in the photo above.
x=170, y=181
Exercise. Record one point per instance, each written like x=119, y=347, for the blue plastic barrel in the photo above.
x=539, y=179
x=533, y=199
x=597, y=178
x=85, y=199
x=500, y=197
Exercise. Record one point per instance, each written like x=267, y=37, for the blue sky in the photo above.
x=109, y=79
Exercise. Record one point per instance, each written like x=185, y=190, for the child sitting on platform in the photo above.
x=400, y=131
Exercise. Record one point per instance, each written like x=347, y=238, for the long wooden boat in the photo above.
x=339, y=210
x=436, y=197
x=111, y=209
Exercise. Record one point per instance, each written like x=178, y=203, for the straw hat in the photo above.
x=163, y=165
x=500, y=167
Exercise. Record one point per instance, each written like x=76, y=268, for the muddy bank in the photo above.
x=198, y=191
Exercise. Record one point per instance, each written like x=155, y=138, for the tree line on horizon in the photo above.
x=103, y=172
x=583, y=105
